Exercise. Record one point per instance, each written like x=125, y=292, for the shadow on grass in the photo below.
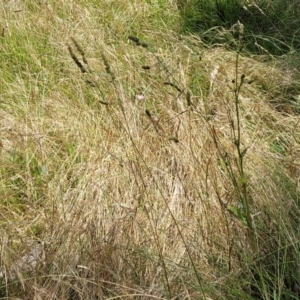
x=270, y=27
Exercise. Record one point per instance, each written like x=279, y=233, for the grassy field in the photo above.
x=145, y=157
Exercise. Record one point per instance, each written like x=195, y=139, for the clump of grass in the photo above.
x=270, y=28
x=266, y=258
x=177, y=188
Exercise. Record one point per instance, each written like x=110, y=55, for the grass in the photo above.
x=152, y=164
x=271, y=27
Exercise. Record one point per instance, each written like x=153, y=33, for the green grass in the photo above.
x=270, y=27
x=160, y=166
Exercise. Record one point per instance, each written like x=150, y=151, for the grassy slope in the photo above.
x=135, y=203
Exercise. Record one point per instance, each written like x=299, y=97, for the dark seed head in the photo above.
x=148, y=113
x=188, y=98
x=133, y=38
x=144, y=45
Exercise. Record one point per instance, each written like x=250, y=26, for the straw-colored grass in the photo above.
x=119, y=155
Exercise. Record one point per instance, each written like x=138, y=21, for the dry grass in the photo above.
x=120, y=168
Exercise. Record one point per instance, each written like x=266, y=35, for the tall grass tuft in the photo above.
x=270, y=27
x=147, y=163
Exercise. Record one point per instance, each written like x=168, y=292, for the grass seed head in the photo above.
x=76, y=60
x=80, y=50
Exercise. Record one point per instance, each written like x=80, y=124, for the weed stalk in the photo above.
x=241, y=185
